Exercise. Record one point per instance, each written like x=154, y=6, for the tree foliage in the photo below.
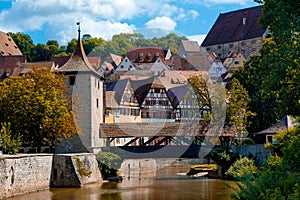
x=237, y=111
x=93, y=46
x=109, y=163
x=25, y=43
x=9, y=142
x=273, y=77
x=278, y=178
x=37, y=107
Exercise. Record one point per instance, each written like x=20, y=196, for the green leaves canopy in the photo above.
x=36, y=106
x=273, y=78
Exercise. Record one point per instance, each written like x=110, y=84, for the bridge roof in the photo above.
x=121, y=130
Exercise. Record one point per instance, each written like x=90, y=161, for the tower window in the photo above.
x=72, y=80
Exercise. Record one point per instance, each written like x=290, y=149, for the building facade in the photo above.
x=238, y=30
x=86, y=88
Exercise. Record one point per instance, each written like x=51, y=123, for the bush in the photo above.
x=9, y=143
x=223, y=157
x=272, y=181
x=108, y=163
x=248, y=141
x=241, y=168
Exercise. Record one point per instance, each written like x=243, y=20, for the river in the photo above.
x=165, y=183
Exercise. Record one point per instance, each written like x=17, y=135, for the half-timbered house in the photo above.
x=153, y=100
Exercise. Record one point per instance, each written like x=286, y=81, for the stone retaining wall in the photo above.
x=75, y=170
x=259, y=152
x=25, y=173
x=20, y=174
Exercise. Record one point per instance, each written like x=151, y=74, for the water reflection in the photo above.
x=163, y=184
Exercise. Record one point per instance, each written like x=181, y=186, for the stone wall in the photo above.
x=258, y=151
x=20, y=174
x=136, y=167
x=25, y=173
x=75, y=170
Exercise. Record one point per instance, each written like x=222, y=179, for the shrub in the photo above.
x=9, y=143
x=241, y=168
x=248, y=141
x=108, y=163
x=223, y=157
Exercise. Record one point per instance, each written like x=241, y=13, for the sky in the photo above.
x=47, y=20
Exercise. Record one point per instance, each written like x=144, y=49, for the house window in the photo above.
x=141, y=56
x=144, y=114
x=230, y=45
x=219, y=47
x=122, y=66
x=150, y=103
x=97, y=102
x=132, y=99
x=135, y=112
x=236, y=62
x=243, y=43
x=117, y=113
x=72, y=80
x=151, y=115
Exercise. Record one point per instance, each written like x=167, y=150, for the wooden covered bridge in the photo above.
x=172, y=138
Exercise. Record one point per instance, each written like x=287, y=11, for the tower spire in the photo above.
x=78, y=24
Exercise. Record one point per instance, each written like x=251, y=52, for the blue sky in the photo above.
x=56, y=19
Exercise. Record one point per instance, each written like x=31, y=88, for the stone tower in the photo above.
x=86, y=88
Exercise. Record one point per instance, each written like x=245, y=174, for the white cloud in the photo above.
x=198, y=38
x=193, y=13
x=100, y=18
x=162, y=23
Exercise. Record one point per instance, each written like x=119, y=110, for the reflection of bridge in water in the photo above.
x=172, y=140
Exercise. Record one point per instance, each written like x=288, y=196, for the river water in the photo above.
x=165, y=183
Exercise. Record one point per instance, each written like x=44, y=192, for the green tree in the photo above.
x=89, y=44
x=71, y=46
x=37, y=107
x=273, y=77
x=201, y=88
x=9, y=142
x=109, y=163
x=25, y=43
x=171, y=41
x=237, y=111
x=278, y=178
x=43, y=52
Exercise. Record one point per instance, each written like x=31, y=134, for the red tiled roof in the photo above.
x=8, y=46
x=146, y=54
x=229, y=27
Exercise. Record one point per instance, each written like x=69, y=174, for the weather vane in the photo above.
x=78, y=24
